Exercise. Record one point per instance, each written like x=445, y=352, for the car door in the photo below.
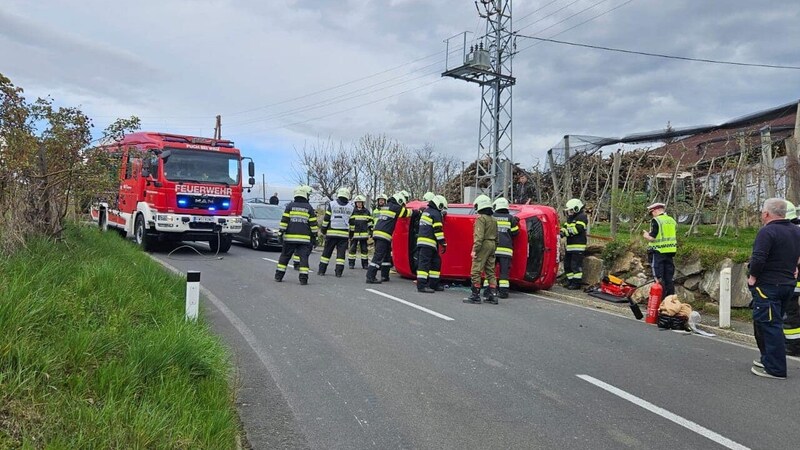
x=247, y=224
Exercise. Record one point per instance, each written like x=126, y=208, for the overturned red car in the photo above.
x=535, y=262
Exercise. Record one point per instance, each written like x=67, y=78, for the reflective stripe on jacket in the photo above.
x=507, y=228
x=575, y=229
x=299, y=222
x=665, y=241
x=430, y=228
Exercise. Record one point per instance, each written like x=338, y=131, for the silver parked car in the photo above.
x=260, y=223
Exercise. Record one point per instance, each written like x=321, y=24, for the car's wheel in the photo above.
x=140, y=235
x=255, y=240
x=220, y=243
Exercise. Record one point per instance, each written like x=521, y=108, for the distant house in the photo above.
x=724, y=143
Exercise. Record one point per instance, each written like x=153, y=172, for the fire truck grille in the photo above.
x=201, y=226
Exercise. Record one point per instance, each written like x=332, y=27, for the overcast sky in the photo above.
x=272, y=68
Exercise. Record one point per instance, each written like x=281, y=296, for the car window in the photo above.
x=267, y=212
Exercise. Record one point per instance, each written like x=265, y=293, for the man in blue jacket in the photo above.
x=773, y=274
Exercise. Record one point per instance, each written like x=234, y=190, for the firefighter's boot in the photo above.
x=351, y=263
x=371, y=275
x=339, y=270
x=574, y=285
x=475, y=298
x=502, y=292
x=364, y=263
x=279, y=275
x=323, y=267
x=435, y=284
x=385, y=273
x=303, y=279
x=490, y=295
x=422, y=286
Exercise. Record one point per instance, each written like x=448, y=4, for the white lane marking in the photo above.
x=423, y=309
x=276, y=262
x=688, y=424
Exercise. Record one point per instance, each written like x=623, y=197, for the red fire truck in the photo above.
x=174, y=188
x=535, y=262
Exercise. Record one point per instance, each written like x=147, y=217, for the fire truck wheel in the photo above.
x=140, y=235
x=221, y=245
x=255, y=240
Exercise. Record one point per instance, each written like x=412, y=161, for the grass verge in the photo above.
x=95, y=353
x=702, y=245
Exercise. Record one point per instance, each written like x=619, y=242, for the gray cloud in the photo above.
x=271, y=68
x=49, y=57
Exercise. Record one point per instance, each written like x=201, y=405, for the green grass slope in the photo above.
x=95, y=352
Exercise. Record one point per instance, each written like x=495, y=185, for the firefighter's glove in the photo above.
x=563, y=232
x=444, y=247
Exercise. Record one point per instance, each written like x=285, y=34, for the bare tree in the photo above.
x=325, y=166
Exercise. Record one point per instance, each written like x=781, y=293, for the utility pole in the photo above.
x=218, y=128
x=488, y=64
x=264, y=188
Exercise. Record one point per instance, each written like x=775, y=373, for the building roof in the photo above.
x=722, y=140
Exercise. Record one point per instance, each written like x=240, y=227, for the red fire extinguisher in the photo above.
x=653, y=302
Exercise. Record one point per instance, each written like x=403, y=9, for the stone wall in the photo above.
x=693, y=282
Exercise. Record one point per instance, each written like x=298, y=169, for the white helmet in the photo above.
x=500, y=203
x=343, y=192
x=428, y=196
x=482, y=202
x=400, y=198
x=302, y=191
x=360, y=198
x=440, y=202
x=573, y=205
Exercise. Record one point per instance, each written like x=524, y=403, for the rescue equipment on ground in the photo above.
x=653, y=302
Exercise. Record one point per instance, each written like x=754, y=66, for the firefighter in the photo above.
x=507, y=228
x=360, y=231
x=336, y=229
x=575, y=232
x=380, y=202
x=484, y=243
x=382, y=236
x=791, y=319
x=296, y=257
x=429, y=239
x=298, y=227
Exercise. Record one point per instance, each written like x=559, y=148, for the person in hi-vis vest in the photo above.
x=662, y=246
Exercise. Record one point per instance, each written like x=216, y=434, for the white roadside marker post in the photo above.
x=192, y=294
x=725, y=298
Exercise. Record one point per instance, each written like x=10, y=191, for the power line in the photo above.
x=456, y=50
x=357, y=106
x=659, y=55
x=576, y=26
x=553, y=13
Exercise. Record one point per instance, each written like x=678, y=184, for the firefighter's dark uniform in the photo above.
x=575, y=231
x=662, y=249
x=336, y=228
x=507, y=228
x=429, y=238
x=382, y=237
x=791, y=323
x=299, y=227
x=360, y=232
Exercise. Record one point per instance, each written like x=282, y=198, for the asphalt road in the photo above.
x=340, y=364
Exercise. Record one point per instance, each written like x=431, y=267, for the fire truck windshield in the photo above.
x=201, y=166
